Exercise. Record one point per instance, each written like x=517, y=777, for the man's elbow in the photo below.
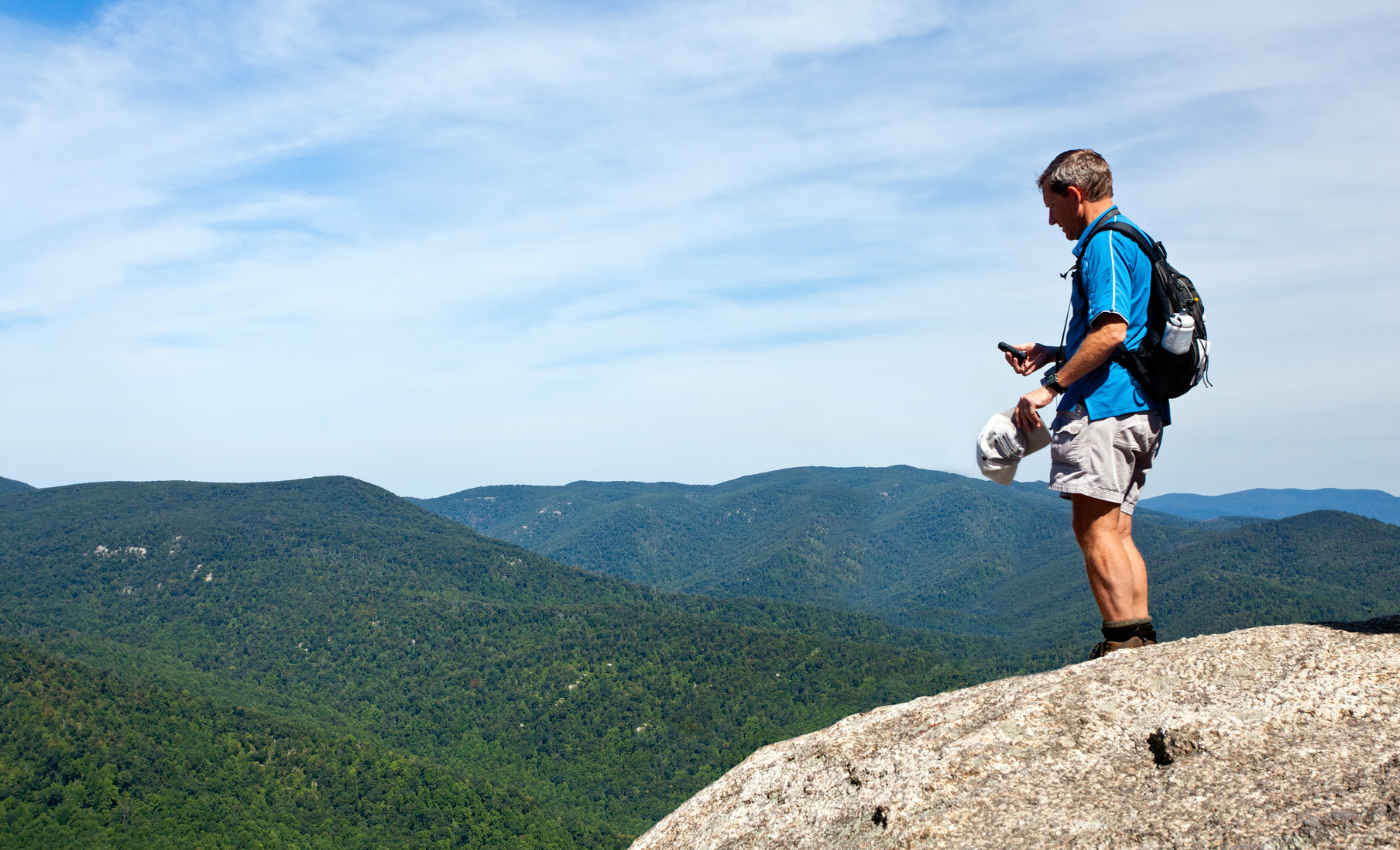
x=1111, y=329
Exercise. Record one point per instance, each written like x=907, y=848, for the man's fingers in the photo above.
x=1035, y=355
x=1026, y=418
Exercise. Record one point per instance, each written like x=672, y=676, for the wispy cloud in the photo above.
x=381, y=221
x=19, y=320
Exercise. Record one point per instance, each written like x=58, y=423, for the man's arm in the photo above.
x=1108, y=332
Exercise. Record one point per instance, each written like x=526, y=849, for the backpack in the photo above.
x=1158, y=371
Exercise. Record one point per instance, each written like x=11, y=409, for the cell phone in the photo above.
x=1014, y=352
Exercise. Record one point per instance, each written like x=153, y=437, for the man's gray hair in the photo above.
x=1083, y=169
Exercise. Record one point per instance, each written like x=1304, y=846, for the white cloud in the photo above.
x=436, y=246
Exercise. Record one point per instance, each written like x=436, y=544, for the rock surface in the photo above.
x=1278, y=737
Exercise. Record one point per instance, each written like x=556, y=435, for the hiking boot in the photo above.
x=1105, y=647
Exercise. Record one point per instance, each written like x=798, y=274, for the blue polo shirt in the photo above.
x=1117, y=278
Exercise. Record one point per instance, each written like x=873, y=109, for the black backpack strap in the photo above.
x=1145, y=362
x=1153, y=252
x=1159, y=301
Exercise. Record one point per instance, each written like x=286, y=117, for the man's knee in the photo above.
x=1094, y=516
x=1125, y=526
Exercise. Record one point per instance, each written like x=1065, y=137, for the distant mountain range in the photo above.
x=587, y=706
x=936, y=550
x=919, y=548
x=323, y=664
x=1277, y=504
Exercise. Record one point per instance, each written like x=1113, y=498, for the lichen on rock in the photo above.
x=1278, y=737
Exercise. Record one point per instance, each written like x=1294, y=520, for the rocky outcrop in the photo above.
x=1278, y=737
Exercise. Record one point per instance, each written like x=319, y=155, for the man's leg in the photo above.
x=1101, y=466
x=1125, y=533
x=1117, y=573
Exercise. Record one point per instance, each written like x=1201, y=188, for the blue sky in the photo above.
x=439, y=245
x=57, y=13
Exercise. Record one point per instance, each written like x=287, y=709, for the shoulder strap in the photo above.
x=1103, y=224
x=1153, y=252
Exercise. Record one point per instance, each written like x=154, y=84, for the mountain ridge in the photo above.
x=9, y=485
x=833, y=537
x=916, y=547
x=333, y=602
x=1279, y=503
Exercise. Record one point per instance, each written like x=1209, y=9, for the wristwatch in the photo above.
x=1051, y=381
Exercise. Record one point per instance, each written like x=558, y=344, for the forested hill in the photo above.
x=1320, y=566
x=916, y=546
x=9, y=485
x=1277, y=504
x=935, y=550
x=333, y=604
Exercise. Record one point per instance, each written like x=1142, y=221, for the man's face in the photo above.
x=1065, y=210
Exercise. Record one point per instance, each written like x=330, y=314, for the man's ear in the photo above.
x=1076, y=193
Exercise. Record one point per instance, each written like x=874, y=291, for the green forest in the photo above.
x=337, y=605
x=939, y=551
x=89, y=759
x=321, y=663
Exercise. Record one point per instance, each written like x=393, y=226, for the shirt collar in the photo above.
x=1108, y=213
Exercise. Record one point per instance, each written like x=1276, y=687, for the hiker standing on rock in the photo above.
x=1107, y=429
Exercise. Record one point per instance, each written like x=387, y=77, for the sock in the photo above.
x=1121, y=630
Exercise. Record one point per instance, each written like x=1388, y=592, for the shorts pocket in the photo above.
x=1138, y=434
x=1064, y=448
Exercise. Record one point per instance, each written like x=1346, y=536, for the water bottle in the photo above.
x=1181, y=327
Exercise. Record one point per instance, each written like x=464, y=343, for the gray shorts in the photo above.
x=1104, y=459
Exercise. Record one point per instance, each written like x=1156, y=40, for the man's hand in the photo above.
x=1026, y=417
x=1106, y=334
x=1037, y=356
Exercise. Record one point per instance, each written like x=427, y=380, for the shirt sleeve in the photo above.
x=1106, y=270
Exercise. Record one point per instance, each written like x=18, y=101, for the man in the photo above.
x=1107, y=429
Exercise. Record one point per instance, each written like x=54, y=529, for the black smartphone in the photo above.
x=1014, y=352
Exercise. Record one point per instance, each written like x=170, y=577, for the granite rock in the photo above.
x=1279, y=737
